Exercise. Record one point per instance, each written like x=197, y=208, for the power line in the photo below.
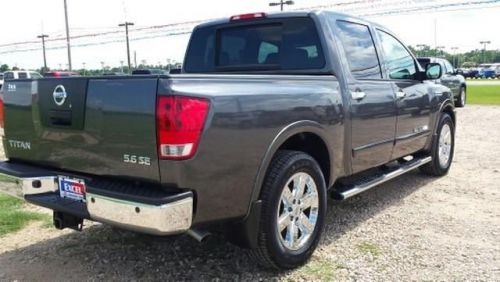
x=158, y=31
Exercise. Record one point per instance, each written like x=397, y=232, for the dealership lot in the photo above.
x=414, y=227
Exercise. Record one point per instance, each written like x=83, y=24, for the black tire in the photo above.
x=435, y=168
x=270, y=251
x=461, y=100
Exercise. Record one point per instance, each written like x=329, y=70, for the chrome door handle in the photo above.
x=400, y=94
x=358, y=95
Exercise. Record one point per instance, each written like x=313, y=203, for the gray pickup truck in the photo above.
x=271, y=113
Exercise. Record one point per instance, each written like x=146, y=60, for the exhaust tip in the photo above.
x=198, y=235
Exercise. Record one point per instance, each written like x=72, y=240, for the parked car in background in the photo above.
x=21, y=75
x=149, y=72
x=450, y=78
x=487, y=73
x=60, y=74
x=470, y=73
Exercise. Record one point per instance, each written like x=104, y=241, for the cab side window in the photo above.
x=360, y=50
x=399, y=62
x=9, y=75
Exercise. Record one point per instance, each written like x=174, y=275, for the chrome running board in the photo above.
x=361, y=185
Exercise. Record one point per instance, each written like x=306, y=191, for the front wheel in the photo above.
x=293, y=211
x=443, y=148
x=461, y=99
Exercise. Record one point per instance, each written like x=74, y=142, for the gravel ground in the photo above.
x=412, y=228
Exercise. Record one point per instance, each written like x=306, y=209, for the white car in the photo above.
x=21, y=75
x=1, y=80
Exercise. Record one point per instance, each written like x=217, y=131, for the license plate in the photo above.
x=72, y=188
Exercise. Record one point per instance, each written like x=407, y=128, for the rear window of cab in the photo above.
x=289, y=44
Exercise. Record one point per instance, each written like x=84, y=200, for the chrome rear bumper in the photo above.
x=170, y=217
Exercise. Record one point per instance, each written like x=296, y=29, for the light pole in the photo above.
x=67, y=34
x=126, y=25
x=102, y=65
x=84, y=70
x=484, y=49
x=282, y=3
x=121, y=64
x=43, y=36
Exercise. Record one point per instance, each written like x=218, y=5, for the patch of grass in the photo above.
x=369, y=248
x=483, y=94
x=322, y=270
x=13, y=217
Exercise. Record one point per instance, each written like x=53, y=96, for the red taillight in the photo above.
x=179, y=123
x=248, y=16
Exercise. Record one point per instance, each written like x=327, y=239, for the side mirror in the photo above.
x=433, y=71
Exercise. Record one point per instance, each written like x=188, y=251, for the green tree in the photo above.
x=4, y=68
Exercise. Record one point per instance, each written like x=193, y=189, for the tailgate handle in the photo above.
x=60, y=118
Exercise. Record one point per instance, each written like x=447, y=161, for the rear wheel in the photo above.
x=293, y=211
x=462, y=97
x=443, y=148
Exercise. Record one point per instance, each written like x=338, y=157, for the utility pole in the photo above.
x=282, y=3
x=68, y=43
x=484, y=49
x=43, y=36
x=455, y=58
x=126, y=25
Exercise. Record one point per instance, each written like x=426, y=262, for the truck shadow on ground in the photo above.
x=103, y=253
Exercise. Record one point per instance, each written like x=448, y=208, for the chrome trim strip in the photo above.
x=386, y=177
x=175, y=217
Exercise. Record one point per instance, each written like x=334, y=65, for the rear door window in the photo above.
x=360, y=50
x=289, y=44
x=22, y=75
x=9, y=75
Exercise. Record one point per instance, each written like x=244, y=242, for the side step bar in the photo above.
x=351, y=190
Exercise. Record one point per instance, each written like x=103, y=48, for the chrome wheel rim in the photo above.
x=445, y=145
x=462, y=97
x=297, y=211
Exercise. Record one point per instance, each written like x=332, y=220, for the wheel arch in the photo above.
x=293, y=137
x=245, y=232
x=448, y=108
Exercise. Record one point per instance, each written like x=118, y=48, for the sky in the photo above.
x=23, y=20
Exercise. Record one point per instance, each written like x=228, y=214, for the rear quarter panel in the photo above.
x=247, y=114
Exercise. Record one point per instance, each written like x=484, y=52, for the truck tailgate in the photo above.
x=102, y=126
